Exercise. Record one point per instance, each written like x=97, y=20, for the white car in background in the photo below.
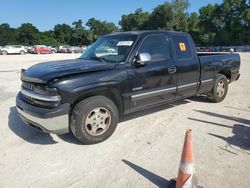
x=13, y=49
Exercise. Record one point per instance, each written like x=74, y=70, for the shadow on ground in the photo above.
x=158, y=108
x=155, y=179
x=240, y=109
x=241, y=137
x=241, y=133
x=202, y=99
x=232, y=118
x=33, y=136
x=152, y=110
x=69, y=137
x=25, y=132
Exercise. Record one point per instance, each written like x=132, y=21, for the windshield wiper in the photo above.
x=100, y=59
x=94, y=57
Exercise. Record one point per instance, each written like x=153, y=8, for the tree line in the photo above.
x=227, y=23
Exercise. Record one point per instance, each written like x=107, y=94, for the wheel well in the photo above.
x=112, y=94
x=227, y=73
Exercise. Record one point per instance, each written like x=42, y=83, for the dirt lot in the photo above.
x=144, y=150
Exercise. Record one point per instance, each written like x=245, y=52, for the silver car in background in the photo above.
x=13, y=49
x=75, y=49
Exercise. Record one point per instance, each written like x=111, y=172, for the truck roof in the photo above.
x=140, y=32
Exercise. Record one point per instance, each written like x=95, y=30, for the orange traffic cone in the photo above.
x=186, y=177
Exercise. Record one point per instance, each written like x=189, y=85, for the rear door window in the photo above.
x=157, y=46
x=182, y=47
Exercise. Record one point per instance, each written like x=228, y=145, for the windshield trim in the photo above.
x=132, y=49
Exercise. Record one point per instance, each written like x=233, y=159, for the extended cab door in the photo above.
x=154, y=82
x=187, y=65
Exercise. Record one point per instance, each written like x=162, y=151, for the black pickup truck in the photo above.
x=119, y=74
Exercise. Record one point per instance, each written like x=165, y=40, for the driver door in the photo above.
x=155, y=82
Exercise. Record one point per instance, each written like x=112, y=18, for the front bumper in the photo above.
x=54, y=120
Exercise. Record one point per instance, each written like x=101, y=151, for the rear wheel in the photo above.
x=22, y=52
x=219, y=90
x=94, y=119
x=4, y=53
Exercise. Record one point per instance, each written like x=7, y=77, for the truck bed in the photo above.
x=212, y=53
x=214, y=63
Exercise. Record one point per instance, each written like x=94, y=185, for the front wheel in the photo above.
x=219, y=90
x=94, y=119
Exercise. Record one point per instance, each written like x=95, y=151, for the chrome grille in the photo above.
x=28, y=99
x=28, y=86
x=42, y=97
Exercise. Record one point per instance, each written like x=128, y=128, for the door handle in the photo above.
x=172, y=70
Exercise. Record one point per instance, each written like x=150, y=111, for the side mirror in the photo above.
x=142, y=59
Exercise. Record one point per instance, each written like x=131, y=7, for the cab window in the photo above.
x=157, y=46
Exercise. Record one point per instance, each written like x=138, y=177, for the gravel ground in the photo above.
x=145, y=149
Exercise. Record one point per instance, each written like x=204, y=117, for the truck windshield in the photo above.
x=113, y=49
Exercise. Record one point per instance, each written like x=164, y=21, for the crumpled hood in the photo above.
x=43, y=72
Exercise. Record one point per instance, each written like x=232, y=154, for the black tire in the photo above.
x=22, y=52
x=4, y=53
x=217, y=95
x=83, y=110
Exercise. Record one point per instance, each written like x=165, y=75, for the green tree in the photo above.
x=47, y=38
x=245, y=36
x=78, y=24
x=225, y=24
x=78, y=34
x=236, y=24
x=63, y=33
x=193, y=26
x=87, y=37
x=169, y=16
x=161, y=17
x=7, y=35
x=99, y=28
x=180, y=16
x=27, y=34
x=193, y=22
x=210, y=24
x=134, y=21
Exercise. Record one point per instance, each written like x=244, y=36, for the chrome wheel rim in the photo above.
x=220, y=89
x=98, y=121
